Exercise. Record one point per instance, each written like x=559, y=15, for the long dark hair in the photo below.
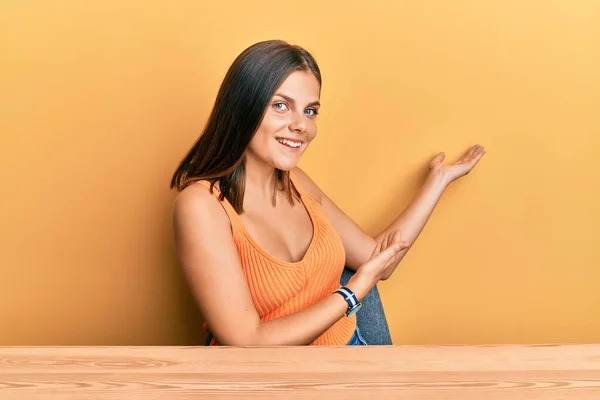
x=219, y=153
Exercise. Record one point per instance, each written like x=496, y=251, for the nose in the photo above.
x=298, y=123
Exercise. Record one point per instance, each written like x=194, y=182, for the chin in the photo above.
x=286, y=168
x=286, y=165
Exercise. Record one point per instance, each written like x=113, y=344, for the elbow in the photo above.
x=240, y=338
x=236, y=341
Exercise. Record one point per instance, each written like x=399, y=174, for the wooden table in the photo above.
x=370, y=372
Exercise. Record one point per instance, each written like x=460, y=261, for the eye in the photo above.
x=311, y=111
x=280, y=106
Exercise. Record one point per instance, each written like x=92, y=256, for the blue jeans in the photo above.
x=357, y=339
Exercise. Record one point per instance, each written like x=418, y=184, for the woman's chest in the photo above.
x=285, y=232
x=276, y=282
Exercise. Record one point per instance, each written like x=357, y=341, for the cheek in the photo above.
x=262, y=133
x=276, y=125
x=312, y=132
x=258, y=145
x=269, y=128
x=261, y=142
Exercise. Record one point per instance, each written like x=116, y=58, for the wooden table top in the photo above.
x=567, y=371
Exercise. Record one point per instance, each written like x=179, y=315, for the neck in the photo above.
x=260, y=178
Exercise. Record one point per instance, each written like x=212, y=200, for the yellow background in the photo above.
x=100, y=100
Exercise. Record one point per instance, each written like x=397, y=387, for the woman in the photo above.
x=261, y=245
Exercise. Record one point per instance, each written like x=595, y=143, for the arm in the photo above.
x=210, y=261
x=410, y=222
x=359, y=245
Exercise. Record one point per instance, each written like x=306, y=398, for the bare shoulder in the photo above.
x=199, y=220
x=196, y=201
x=308, y=184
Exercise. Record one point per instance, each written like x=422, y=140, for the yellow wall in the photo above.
x=100, y=100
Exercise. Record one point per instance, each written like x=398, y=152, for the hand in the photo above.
x=459, y=168
x=385, y=257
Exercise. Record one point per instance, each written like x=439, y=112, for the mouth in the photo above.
x=291, y=144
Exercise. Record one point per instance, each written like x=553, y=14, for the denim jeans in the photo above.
x=357, y=339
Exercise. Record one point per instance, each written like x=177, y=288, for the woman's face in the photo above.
x=289, y=123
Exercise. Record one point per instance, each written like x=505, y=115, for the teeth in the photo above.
x=289, y=143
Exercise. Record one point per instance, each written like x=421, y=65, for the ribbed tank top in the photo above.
x=279, y=288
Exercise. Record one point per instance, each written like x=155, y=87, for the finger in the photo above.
x=386, y=254
x=392, y=264
x=476, y=156
x=391, y=251
x=395, y=237
x=404, y=245
x=395, y=248
x=437, y=160
x=479, y=154
x=394, y=259
x=377, y=248
x=390, y=239
x=467, y=157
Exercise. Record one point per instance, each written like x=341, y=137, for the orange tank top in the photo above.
x=279, y=288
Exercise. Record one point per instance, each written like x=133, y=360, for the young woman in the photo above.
x=262, y=247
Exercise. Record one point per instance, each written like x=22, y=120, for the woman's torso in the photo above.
x=279, y=288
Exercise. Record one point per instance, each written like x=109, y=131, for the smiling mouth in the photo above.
x=292, y=144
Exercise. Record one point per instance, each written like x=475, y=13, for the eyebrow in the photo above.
x=288, y=98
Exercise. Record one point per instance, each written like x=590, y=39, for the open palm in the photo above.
x=460, y=167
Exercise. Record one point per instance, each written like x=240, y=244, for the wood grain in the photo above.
x=568, y=371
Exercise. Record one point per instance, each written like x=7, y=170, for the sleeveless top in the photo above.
x=279, y=288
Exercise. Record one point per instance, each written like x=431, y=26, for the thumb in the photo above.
x=437, y=159
x=391, y=250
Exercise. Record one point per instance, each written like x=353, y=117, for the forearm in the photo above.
x=303, y=327
x=413, y=218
